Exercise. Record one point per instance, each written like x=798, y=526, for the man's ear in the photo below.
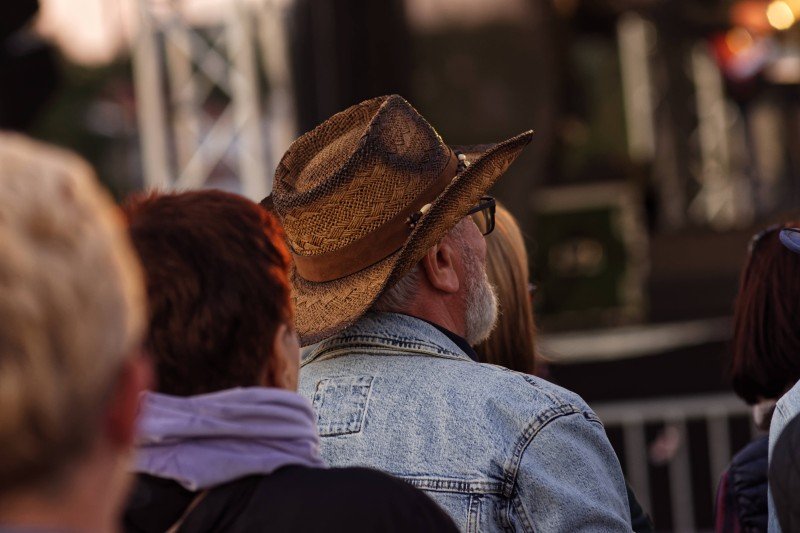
x=283, y=366
x=136, y=376
x=439, y=265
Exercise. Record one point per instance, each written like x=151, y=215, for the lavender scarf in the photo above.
x=206, y=440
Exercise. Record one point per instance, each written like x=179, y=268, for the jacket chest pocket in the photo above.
x=341, y=404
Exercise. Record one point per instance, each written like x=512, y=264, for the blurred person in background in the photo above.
x=512, y=343
x=72, y=314
x=765, y=363
x=226, y=443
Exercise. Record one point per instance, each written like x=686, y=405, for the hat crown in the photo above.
x=354, y=172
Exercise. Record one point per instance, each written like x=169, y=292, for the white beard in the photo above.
x=480, y=301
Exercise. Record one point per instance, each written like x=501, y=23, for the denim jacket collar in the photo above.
x=389, y=332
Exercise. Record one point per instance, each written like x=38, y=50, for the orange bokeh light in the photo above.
x=751, y=15
x=738, y=40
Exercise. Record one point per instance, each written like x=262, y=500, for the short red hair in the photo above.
x=766, y=339
x=216, y=266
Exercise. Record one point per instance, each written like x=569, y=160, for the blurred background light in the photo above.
x=90, y=32
x=780, y=15
x=738, y=40
x=751, y=14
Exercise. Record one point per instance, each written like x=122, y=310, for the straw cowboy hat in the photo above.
x=363, y=196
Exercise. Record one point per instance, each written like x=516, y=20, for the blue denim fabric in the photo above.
x=785, y=410
x=498, y=450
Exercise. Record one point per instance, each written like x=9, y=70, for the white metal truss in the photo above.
x=204, y=119
x=716, y=193
x=634, y=33
x=723, y=200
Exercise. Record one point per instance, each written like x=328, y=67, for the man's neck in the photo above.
x=444, y=313
x=46, y=514
x=458, y=340
x=89, y=501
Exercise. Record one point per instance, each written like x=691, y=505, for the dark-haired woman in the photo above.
x=765, y=363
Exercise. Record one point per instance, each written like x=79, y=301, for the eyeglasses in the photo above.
x=483, y=214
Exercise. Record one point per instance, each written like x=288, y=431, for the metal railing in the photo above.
x=672, y=415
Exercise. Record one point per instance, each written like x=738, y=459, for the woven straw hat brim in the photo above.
x=324, y=309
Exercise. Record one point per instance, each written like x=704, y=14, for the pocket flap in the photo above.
x=341, y=404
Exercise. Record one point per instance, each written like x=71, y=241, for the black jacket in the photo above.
x=784, y=477
x=640, y=520
x=742, y=493
x=294, y=498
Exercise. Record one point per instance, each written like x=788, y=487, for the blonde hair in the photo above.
x=71, y=308
x=512, y=343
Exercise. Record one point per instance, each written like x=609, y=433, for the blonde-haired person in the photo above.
x=512, y=343
x=71, y=321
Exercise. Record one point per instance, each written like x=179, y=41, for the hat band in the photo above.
x=376, y=245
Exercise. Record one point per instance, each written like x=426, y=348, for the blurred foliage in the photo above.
x=482, y=84
x=577, y=290
x=593, y=130
x=64, y=119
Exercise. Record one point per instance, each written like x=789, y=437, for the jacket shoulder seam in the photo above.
x=530, y=432
x=555, y=399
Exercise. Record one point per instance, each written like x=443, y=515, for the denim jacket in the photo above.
x=498, y=450
x=785, y=410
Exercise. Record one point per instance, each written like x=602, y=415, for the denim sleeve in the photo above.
x=569, y=478
x=776, y=425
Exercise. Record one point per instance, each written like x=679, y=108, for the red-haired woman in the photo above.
x=226, y=443
x=765, y=363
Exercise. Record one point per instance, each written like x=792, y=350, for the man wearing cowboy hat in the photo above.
x=389, y=278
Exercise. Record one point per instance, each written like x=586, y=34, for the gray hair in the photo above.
x=399, y=297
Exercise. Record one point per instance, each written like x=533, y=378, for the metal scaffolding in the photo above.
x=709, y=186
x=204, y=118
